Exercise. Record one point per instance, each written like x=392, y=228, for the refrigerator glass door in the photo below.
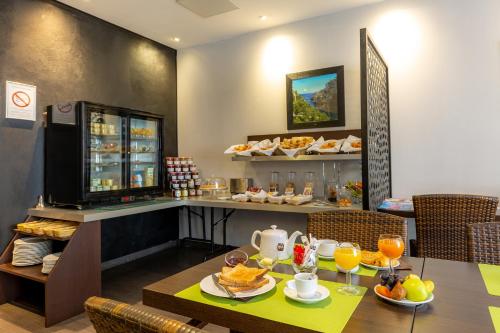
x=106, y=152
x=144, y=148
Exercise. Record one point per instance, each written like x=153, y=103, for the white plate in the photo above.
x=403, y=302
x=379, y=268
x=290, y=292
x=354, y=270
x=208, y=286
x=325, y=257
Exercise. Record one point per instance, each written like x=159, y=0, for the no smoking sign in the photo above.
x=20, y=101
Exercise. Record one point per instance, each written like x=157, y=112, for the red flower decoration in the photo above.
x=298, y=254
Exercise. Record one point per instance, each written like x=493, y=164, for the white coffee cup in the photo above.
x=306, y=284
x=327, y=247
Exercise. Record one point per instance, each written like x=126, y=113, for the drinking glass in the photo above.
x=347, y=256
x=304, y=260
x=309, y=183
x=274, y=184
x=391, y=246
x=290, y=184
x=268, y=260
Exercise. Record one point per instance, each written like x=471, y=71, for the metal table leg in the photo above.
x=203, y=220
x=189, y=222
x=212, y=227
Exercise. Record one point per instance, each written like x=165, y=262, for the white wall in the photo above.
x=444, y=60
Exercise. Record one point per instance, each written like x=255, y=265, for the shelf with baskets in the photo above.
x=283, y=158
x=75, y=277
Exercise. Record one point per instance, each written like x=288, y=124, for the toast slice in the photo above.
x=242, y=276
x=261, y=282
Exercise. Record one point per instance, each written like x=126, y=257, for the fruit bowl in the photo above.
x=403, y=302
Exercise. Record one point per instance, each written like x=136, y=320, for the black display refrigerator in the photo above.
x=97, y=154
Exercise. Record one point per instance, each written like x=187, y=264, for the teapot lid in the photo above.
x=274, y=229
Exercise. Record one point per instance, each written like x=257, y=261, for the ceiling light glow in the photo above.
x=398, y=36
x=176, y=39
x=277, y=57
x=263, y=17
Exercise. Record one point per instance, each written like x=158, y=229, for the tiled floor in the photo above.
x=123, y=283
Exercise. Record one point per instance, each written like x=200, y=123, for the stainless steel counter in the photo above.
x=108, y=212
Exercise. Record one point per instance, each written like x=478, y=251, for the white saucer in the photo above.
x=326, y=258
x=354, y=270
x=290, y=292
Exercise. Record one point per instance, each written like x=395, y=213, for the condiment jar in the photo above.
x=178, y=168
x=174, y=184
x=187, y=175
x=173, y=176
x=183, y=184
x=193, y=168
x=176, y=193
x=184, y=192
x=195, y=175
x=183, y=161
x=192, y=192
x=190, y=183
x=169, y=161
x=190, y=160
x=180, y=176
x=177, y=161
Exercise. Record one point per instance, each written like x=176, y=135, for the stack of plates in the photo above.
x=30, y=251
x=49, y=262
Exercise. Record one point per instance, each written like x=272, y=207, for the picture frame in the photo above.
x=315, y=98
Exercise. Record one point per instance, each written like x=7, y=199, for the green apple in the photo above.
x=415, y=290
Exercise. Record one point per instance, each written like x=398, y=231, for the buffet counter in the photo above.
x=80, y=260
x=108, y=212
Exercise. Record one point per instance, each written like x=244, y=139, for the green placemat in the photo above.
x=329, y=265
x=495, y=317
x=329, y=315
x=491, y=278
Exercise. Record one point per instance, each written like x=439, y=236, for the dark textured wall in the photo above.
x=70, y=55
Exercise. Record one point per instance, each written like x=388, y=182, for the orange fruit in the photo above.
x=383, y=290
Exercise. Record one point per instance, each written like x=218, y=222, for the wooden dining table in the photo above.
x=460, y=305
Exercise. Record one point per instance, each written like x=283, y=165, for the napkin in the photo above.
x=316, y=147
x=248, y=152
x=240, y=197
x=267, y=147
x=347, y=147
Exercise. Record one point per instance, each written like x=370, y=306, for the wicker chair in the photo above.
x=483, y=242
x=109, y=316
x=441, y=221
x=360, y=226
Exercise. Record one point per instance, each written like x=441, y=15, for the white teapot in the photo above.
x=272, y=240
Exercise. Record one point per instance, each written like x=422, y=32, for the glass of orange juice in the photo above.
x=391, y=246
x=347, y=256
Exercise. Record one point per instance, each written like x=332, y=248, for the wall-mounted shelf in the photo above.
x=333, y=157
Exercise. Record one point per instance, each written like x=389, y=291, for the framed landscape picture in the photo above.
x=315, y=98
